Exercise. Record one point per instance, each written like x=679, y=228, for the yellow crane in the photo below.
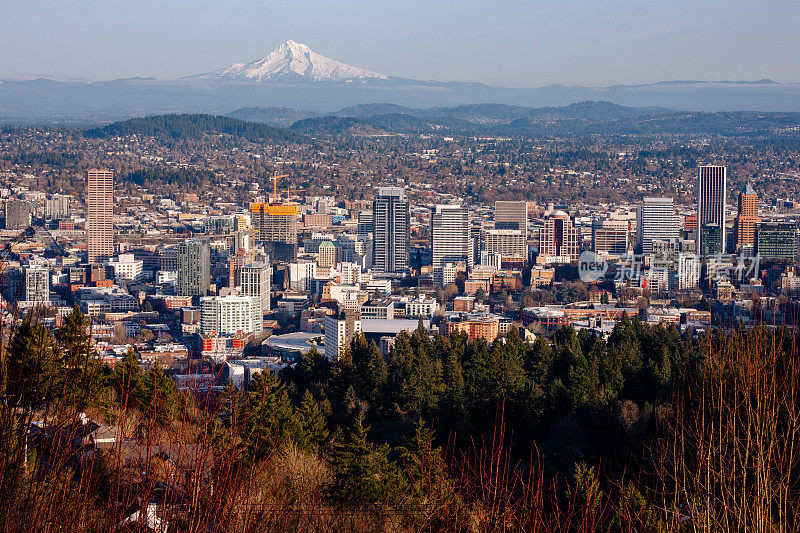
x=275, y=179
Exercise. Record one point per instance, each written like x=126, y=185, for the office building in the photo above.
x=450, y=238
x=688, y=271
x=99, y=215
x=328, y=255
x=168, y=259
x=508, y=243
x=392, y=230
x=57, y=207
x=511, y=215
x=776, y=240
x=444, y=274
x=711, y=240
x=219, y=225
x=17, y=214
x=475, y=326
x=560, y=240
x=37, y=284
x=356, y=249
x=712, y=190
x=255, y=280
x=229, y=315
x=656, y=219
x=746, y=219
x=365, y=224
x=301, y=273
x=194, y=267
x=610, y=236
x=126, y=268
x=491, y=260
x=339, y=332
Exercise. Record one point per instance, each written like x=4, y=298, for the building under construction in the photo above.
x=275, y=227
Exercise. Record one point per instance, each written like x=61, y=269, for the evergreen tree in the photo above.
x=311, y=430
x=269, y=421
x=160, y=396
x=506, y=375
x=362, y=471
x=30, y=367
x=80, y=376
x=127, y=380
x=452, y=412
x=428, y=485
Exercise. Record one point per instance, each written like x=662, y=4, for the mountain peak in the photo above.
x=293, y=60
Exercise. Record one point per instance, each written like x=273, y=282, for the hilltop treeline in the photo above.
x=193, y=126
x=162, y=174
x=648, y=430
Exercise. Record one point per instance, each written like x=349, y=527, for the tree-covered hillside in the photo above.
x=192, y=126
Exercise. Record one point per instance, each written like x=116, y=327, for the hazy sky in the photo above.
x=503, y=42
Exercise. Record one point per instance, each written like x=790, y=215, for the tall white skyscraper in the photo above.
x=339, y=331
x=712, y=193
x=229, y=315
x=37, y=284
x=392, y=230
x=255, y=280
x=656, y=219
x=450, y=238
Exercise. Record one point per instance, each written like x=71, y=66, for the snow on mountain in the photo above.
x=293, y=60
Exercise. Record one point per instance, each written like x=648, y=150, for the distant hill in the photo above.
x=279, y=117
x=370, y=110
x=335, y=126
x=474, y=119
x=582, y=118
x=192, y=126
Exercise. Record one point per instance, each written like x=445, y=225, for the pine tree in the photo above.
x=311, y=430
x=80, y=374
x=30, y=367
x=376, y=375
x=362, y=471
x=160, y=396
x=127, y=380
x=453, y=411
x=507, y=375
x=428, y=484
x=268, y=415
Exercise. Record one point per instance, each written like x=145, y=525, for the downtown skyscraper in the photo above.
x=656, y=219
x=712, y=191
x=450, y=235
x=99, y=215
x=391, y=230
x=746, y=219
x=194, y=267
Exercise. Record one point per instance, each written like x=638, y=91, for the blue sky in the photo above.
x=505, y=42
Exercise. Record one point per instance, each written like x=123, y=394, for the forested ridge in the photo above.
x=576, y=433
x=193, y=126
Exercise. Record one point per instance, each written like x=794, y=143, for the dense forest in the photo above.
x=193, y=126
x=648, y=430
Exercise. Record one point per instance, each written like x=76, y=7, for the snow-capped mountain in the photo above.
x=293, y=60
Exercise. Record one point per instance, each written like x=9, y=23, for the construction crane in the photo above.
x=6, y=253
x=275, y=179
